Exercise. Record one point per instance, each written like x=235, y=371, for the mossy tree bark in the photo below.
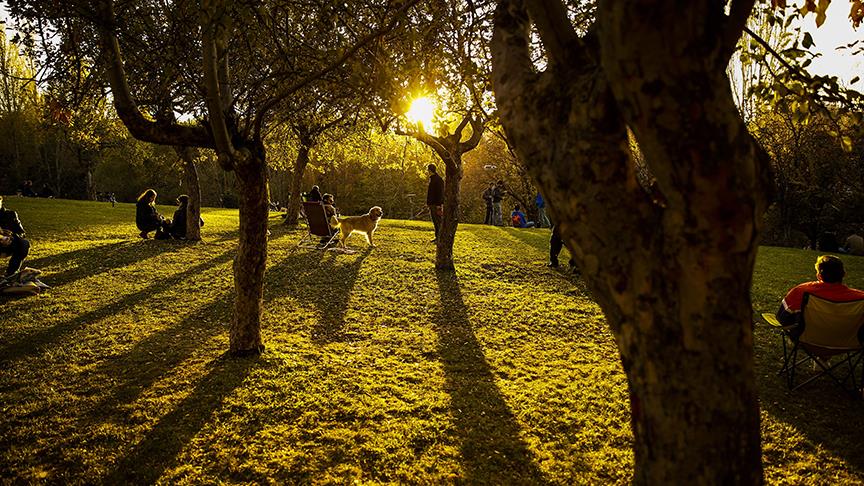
x=450, y=149
x=671, y=266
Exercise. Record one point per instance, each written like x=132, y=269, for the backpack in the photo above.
x=516, y=220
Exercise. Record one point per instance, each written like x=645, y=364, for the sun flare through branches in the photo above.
x=422, y=112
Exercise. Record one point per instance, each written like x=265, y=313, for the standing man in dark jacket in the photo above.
x=435, y=198
x=12, y=240
x=498, y=194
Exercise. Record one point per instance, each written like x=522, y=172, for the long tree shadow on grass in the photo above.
x=821, y=411
x=158, y=451
x=34, y=342
x=324, y=281
x=492, y=452
x=147, y=460
x=88, y=262
x=118, y=382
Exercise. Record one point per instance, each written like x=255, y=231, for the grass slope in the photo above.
x=377, y=370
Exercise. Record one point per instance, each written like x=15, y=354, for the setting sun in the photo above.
x=422, y=111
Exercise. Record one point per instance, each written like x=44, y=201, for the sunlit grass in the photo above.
x=377, y=369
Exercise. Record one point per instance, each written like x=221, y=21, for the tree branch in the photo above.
x=140, y=127
x=513, y=70
x=272, y=102
x=552, y=22
x=736, y=22
x=471, y=143
x=213, y=94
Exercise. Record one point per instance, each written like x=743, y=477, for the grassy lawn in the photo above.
x=377, y=370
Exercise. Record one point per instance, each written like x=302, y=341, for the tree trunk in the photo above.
x=193, y=190
x=297, y=183
x=251, y=260
x=671, y=267
x=450, y=221
x=91, y=185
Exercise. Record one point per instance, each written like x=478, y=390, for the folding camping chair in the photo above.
x=320, y=234
x=826, y=330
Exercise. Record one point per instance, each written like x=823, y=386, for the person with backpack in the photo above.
x=12, y=241
x=517, y=217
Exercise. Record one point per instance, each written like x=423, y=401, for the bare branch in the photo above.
x=739, y=12
x=553, y=24
x=140, y=127
x=262, y=113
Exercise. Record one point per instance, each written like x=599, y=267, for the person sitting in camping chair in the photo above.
x=822, y=320
x=828, y=286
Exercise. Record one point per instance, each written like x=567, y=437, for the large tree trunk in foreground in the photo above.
x=297, y=183
x=251, y=260
x=671, y=266
x=193, y=190
x=450, y=221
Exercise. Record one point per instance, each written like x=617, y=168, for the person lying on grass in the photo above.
x=12, y=242
x=828, y=286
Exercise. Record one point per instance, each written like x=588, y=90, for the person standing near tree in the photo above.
x=435, y=198
x=498, y=194
x=487, y=198
x=542, y=219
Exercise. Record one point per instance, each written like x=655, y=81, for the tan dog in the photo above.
x=366, y=224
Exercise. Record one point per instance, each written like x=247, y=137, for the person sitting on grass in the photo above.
x=12, y=242
x=147, y=218
x=178, y=224
x=828, y=285
x=517, y=217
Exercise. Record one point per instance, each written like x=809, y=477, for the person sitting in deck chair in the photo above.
x=828, y=286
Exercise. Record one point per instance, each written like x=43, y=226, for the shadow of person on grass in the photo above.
x=34, y=342
x=492, y=452
x=324, y=280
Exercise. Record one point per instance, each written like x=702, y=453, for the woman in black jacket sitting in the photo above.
x=146, y=217
x=178, y=224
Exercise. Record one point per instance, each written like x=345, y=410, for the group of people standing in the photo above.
x=148, y=219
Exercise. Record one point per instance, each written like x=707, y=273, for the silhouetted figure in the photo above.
x=178, y=222
x=12, y=242
x=435, y=198
x=147, y=218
